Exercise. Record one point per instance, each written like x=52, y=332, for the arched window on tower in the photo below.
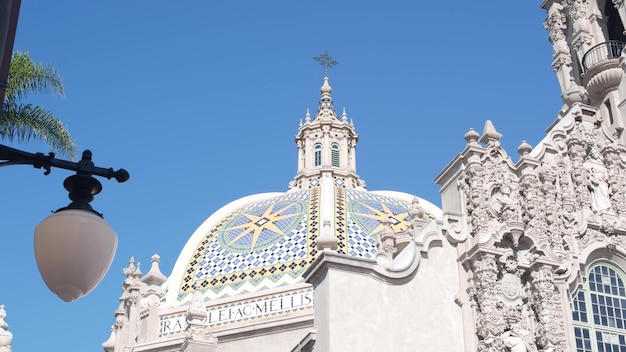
x=334, y=157
x=317, y=155
x=599, y=310
x=614, y=26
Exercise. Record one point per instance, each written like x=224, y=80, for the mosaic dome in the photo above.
x=268, y=240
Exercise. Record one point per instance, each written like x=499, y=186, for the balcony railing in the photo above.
x=602, y=52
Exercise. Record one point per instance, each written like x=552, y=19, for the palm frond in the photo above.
x=27, y=76
x=23, y=122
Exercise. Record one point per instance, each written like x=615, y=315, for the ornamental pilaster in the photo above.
x=504, y=320
x=529, y=192
x=556, y=24
x=484, y=294
x=615, y=170
x=581, y=35
x=548, y=310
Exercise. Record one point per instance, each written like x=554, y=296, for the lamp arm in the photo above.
x=11, y=156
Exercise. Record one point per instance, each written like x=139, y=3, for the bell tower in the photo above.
x=588, y=40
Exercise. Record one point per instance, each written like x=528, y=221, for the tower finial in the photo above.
x=326, y=61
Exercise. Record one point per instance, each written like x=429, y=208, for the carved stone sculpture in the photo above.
x=5, y=335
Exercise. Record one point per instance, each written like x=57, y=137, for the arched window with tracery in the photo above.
x=599, y=310
x=317, y=155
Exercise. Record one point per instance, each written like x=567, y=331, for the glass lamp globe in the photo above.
x=74, y=249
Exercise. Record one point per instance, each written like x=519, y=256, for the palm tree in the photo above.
x=21, y=121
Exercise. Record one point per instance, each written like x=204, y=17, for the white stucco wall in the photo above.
x=357, y=312
x=268, y=340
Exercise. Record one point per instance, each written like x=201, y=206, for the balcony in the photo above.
x=602, y=52
x=601, y=71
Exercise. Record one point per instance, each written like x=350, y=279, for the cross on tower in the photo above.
x=326, y=61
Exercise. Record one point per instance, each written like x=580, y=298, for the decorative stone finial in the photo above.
x=154, y=276
x=326, y=89
x=307, y=117
x=198, y=335
x=416, y=211
x=386, y=245
x=471, y=136
x=196, y=312
x=417, y=215
x=489, y=133
x=132, y=270
x=5, y=335
x=524, y=148
x=344, y=116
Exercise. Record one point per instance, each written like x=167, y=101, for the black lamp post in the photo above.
x=74, y=247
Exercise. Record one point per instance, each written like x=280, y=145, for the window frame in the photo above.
x=594, y=310
x=335, y=157
x=317, y=155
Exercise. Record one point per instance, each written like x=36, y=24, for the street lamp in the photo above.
x=74, y=247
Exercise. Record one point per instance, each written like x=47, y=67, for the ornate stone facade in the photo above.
x=530, y=225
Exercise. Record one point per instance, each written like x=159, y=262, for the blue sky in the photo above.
x=200, y=102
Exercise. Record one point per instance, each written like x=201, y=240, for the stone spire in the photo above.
x=154, y=276
x=326, y=110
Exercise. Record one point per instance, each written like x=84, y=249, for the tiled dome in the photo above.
x=268, y=240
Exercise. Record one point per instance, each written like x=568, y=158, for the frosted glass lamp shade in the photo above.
x=74, y=249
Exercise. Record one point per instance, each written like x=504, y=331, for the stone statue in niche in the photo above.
x=501, y=201
x=517, y=339
x=598, y=184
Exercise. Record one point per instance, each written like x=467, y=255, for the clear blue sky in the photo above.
x=200, y=101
